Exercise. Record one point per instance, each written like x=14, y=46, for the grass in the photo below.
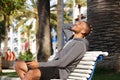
x=100, y=74
x=104, y=74
x=9, y=74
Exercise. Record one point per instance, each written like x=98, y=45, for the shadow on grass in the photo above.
x=106, y=74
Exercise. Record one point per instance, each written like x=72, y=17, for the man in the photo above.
x=65, y=60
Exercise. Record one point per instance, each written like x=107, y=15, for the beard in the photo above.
x=74, y=29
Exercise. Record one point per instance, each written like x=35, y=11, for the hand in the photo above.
x=33, y=64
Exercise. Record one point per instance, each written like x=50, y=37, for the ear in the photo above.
x=83, y=32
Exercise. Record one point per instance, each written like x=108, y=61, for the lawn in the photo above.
x=103, y=74
x=9, y=74
x=100, y=74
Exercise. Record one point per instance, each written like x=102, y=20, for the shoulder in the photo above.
x=86, y=41
x=81, y=41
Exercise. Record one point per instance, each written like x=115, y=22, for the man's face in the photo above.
x=78, y=27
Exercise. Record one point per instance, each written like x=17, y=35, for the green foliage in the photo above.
x=106, y=74
x=9, y=74
x=26, y=56
x=67, y=18
x=7, y=7
x=23, y=40
x=80, y=2
x=69, y=3
x=53, y=19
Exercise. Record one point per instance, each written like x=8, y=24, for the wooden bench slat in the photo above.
x=91, y=55
x=87, y=62
x=89, y=58
x=80, y=75
x=80, y=66
x=76, y=78
x=94, y=52
x=82, y=71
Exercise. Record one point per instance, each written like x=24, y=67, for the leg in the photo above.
x=21, y=68
x=33, y=74
x=48, y=73
x=44, y=73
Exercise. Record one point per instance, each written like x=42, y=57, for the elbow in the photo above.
x=62, y=65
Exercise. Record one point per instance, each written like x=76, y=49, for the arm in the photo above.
x=67, y=31
x=76, y=50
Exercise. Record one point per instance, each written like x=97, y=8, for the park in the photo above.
x=33, y=30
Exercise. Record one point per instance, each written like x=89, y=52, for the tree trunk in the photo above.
x=60, y=24
x=0, y=63
x=104, y=16
x=6, y=25
x=43, y=35
x=6, y=64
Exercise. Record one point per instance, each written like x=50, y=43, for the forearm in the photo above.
x=67, y=31
x=53, y=63
x=67, y=26
x=69, y=56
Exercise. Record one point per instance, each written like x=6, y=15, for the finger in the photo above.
x=29, y=63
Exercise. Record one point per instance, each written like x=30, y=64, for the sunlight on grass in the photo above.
x=9, y=74
x=100, y=74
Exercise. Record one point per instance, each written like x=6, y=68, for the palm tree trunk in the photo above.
x=104, y=16
x=6, y=19
x=0, y=63
x=60, y=24
x=6, y=64
x=43, y=35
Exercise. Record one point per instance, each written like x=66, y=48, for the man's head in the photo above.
x=81, y=28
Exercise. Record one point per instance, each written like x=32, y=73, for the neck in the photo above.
x=78, y=36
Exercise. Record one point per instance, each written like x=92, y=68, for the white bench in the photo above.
x=85, y=68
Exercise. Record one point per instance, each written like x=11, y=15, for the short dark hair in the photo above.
x=89, y=28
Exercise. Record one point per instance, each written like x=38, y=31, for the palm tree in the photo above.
x=104, y=16
x=76, y=3
x=27, y=29
x=60, y=21
x=53, y=19
x=53, y=16
x=8, y=8
x=2, y=32
x=43, y=36
x=28, y=13
x=80, y=3
x=57, y=17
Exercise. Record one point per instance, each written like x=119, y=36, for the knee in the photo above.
x=30, y=72
x=20, y=64
x=35, y=74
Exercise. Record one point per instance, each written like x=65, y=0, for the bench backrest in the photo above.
x=85, y=68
